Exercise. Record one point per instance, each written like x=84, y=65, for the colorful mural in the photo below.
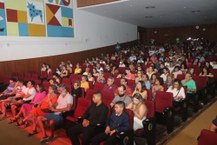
x=51, y=18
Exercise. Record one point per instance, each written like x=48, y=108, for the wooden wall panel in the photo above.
x=84, y=3
x=170, y=34
x=7, y=67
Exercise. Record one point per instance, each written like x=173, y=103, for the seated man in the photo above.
x=94, y=116
x=191, y=89
x=64, y=103
x=116, y=123
x=9, y=90
x=110, y=87
x=121, y=97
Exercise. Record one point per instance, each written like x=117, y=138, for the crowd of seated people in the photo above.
x=128, y=74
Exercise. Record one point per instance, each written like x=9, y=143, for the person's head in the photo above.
x=97, y=97
x=205, y=71
x=140, y=86
x=165, y=70
x=121, y=90
x=153, y=77
x=110, y=81
x=30, y=84
x=176, y=68
x=137, y=98
x=188, y=76
x=12, y=81
x=123, y=81
x=119, y=107
x=145, y=77
x=62, y=89
x=39, y=88
x=94, y=70
x=87, y=69
x=77, y=85
x=177, y=84
x=159, y=81
x=52, y=89
x=170, y=78
x=77, y=65
x=101, y=74
x=43, y=64
x=139, y=74
x=127, y=70
x=84, y=78
x=20, y=83
x=52, y=81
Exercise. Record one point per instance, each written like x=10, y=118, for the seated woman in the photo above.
x=77, y=70
x=26, y=108
x=170, y=80
x=141, y=89
x=158, y=86
x=84, y=83
x=139, y=110
x=178, y=91
x=205, y=73
x=43, y=107
x=153, y=79
x=64, y=73
x=100, y=78
x=139, y=76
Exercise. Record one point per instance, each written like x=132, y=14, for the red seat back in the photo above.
x=207, y=138
x=149, y=95
x=130, y=114
x=180, y=77
x=163, y=100
x=98, y=86
x=200, y=81
x=81, y=107
x=151, y=108
x=89, y=94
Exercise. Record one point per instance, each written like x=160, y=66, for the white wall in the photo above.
x=91, y=31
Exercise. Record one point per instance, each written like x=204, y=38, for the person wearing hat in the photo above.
x=139, y=110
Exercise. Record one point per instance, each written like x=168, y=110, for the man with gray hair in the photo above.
x=110, y=86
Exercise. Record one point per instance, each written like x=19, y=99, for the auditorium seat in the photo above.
x=207, y=138
x=164, y=107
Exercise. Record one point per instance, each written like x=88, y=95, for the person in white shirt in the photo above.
x=27, y=97
x=176, y=71
x=177, y=90
x=165, y=74
x=64, y=104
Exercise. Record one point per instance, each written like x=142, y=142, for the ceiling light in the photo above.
x=148, y=17
x=150, y=7
x=195, y=11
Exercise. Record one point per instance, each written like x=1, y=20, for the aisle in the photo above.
x=188, y=135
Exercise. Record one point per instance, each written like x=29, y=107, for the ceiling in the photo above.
x=166, y=13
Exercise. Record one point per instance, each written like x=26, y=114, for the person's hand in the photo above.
x=51, y=108
x=112, y=132
x=85, y=123
x=107, y=130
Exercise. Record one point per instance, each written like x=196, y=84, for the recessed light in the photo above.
x=150, y=7
x=148, y=17
x=196, y=11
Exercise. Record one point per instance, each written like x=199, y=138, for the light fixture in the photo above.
x=197, y=27
x=150, y=7
x=148, y=17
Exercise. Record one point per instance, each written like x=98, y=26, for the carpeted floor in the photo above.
x=12, y=135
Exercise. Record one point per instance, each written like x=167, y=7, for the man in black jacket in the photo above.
x=93, y=117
